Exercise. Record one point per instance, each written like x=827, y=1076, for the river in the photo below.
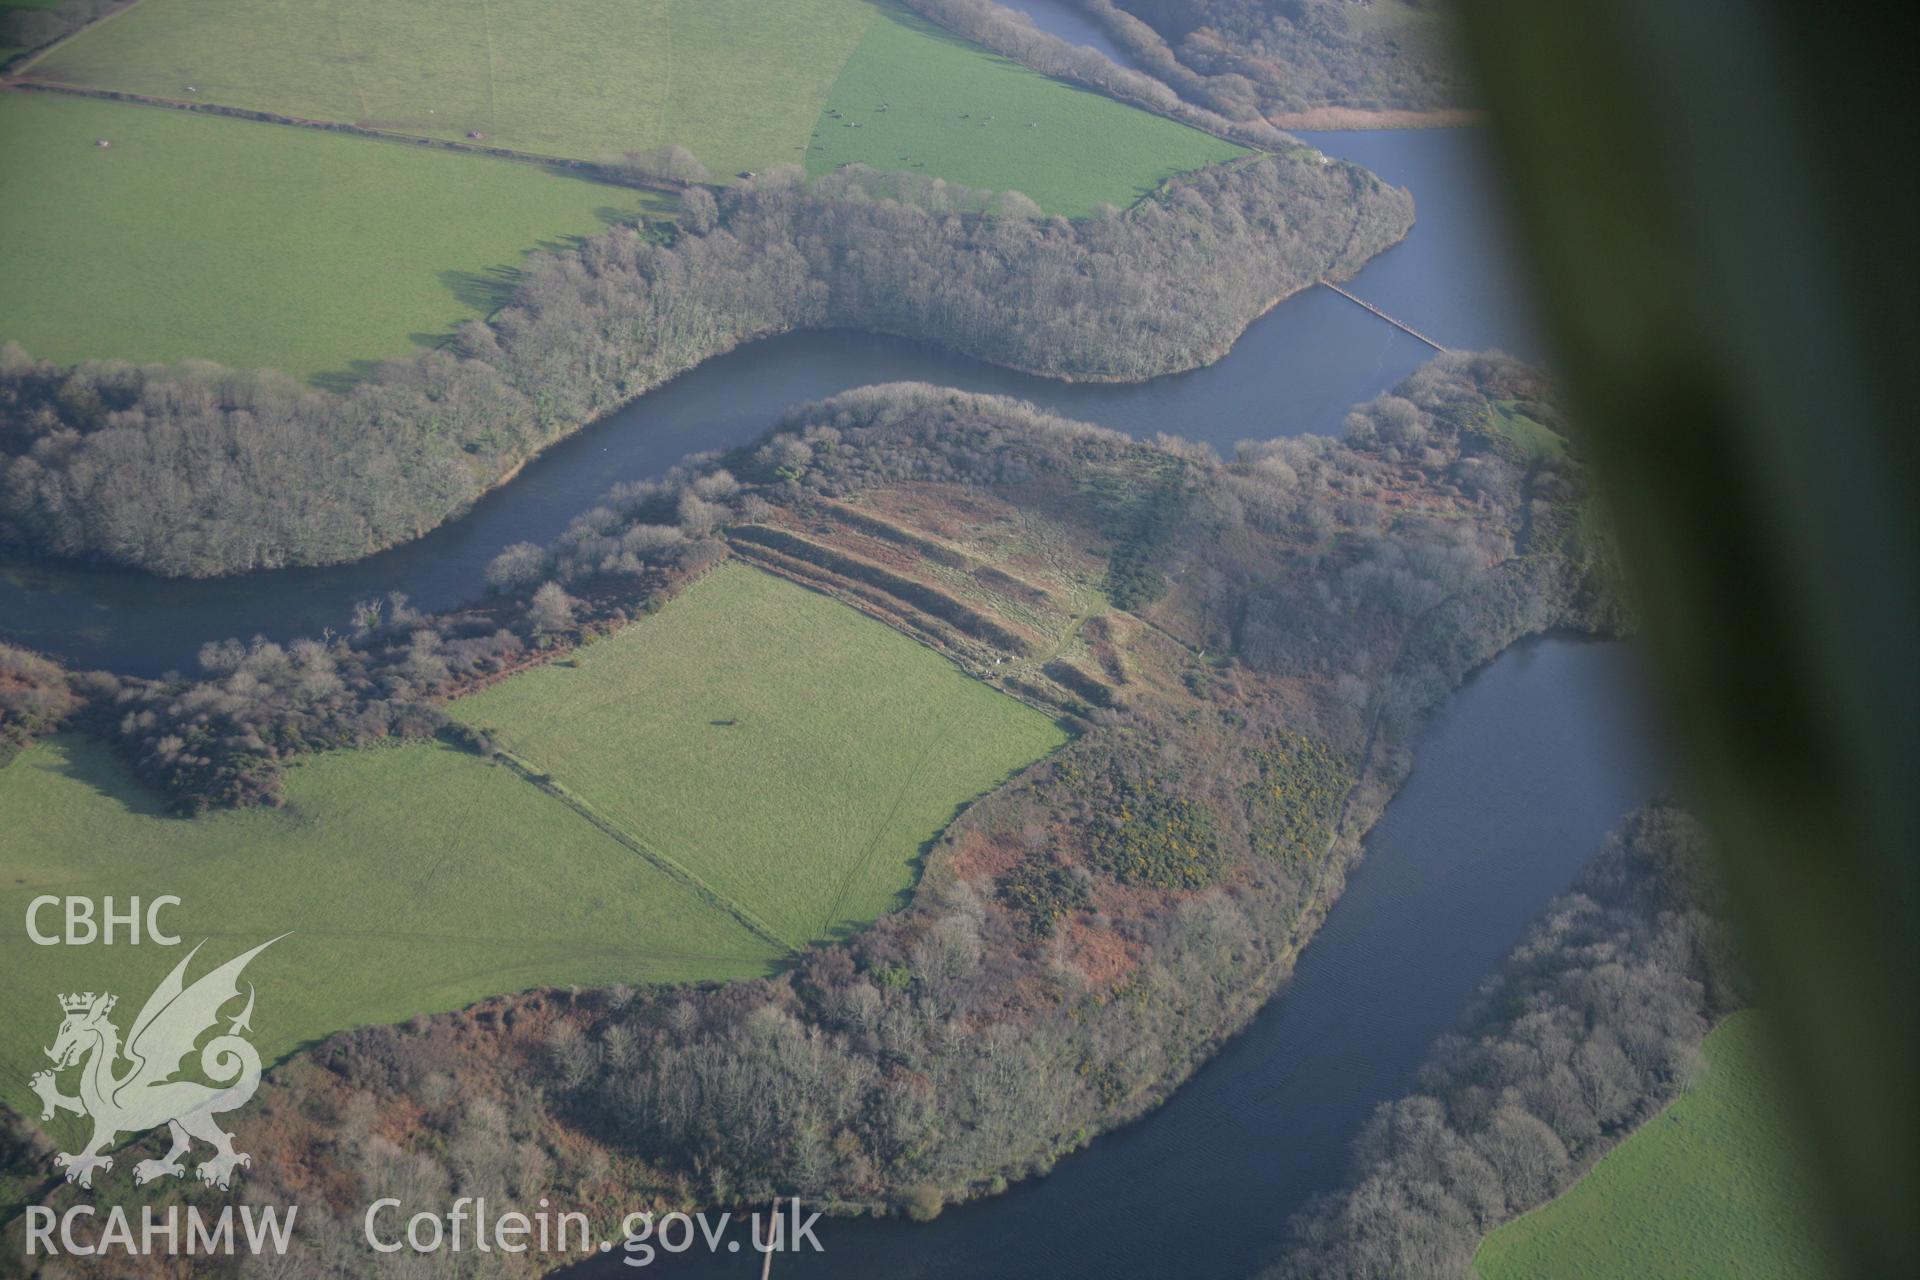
x=1063, y=19
x=1297, y=369
x=1517, y=779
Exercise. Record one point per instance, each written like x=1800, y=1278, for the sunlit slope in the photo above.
x=789, y=752
x=914, y=98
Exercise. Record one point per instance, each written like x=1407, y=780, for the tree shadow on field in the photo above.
x=485, y=291
x=94, y=766
x=341, y=381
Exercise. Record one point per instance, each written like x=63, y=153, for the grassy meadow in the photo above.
x=1710, y=1187
x=959, y=112
x=319, y=253
x=787, y=755
x=740, y=83
x=199, y=236
x=1532, y=440
x=789, y=752
x=415, y=879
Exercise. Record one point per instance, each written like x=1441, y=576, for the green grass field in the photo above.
x=198, y=236
x=1710, y=1187
x=741, y=83
x=791, y=753
x=1532, y=439
x=969, y=116
x=735, y=80
x=416, y=879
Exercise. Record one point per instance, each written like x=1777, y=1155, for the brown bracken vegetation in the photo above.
x=1082, y=938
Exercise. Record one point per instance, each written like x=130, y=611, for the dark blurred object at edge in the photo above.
x=1718, y=198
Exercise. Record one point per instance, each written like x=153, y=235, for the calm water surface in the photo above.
x=1060, y=18
x=1518, y=779
x=1295, y=370
x=1531, y=763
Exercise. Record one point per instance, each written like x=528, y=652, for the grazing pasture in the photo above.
x=197, y=236
x=916, y=98
x=1532, y=440
x=1712, y=1186
x=740, y=83
x=416, y=879
x=737, y=81
x=787, y=751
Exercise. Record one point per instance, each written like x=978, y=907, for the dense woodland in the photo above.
x=1253, y=58
x=198, y=470
x=217, y=738
x=1593, y=1024
x=1058, y=972
x=36, y=697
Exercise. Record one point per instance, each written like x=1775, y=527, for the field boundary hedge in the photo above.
x=622, y=177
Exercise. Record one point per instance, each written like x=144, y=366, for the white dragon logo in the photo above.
x=147, y=1095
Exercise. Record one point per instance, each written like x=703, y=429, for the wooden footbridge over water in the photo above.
x=1401, y=325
